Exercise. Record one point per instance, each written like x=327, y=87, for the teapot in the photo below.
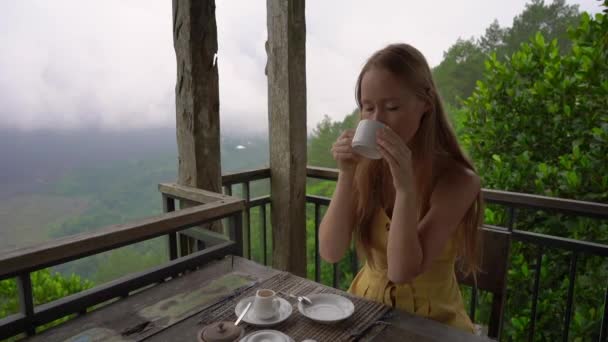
x=221, y=332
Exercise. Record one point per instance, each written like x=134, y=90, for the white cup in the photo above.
x=266, y=304
x=364, y=142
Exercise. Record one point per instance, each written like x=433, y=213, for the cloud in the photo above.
x=68, y=64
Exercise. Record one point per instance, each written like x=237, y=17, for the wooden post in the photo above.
x=286, y=71
x=197, y=97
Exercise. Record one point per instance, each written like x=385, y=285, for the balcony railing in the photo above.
x=214, y=207
x=511, y=202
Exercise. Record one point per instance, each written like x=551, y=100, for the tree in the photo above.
x=461, y=67
x=46, y=287
x=538, y=123
x=324, y=136
x=551, y=20
x=494, y=39
x=462, y=64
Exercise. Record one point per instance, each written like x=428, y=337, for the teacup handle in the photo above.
x=276, y=304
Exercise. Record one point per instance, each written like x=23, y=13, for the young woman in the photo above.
x=415, y=213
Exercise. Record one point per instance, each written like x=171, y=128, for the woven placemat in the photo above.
x=298, y=327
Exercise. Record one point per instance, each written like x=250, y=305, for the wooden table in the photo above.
x=169, y=311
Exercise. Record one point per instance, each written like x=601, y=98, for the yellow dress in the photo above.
x=434, y=294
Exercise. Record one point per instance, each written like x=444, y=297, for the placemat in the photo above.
x=298, y=327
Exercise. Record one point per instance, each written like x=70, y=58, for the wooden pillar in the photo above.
x=197, y=97
x=286, y=71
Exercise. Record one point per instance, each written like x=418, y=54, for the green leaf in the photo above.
x=578, y=318
x=585, y=18
x=542, y=168
x=524, y=270
x=552, y=107
x=586, y=62
x=576, y=151
x=573, y=179
x=496, y=158
x=539, y=39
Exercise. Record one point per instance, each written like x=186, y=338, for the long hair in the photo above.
x=434, y=138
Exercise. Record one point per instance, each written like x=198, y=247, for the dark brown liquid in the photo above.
x=265, y=293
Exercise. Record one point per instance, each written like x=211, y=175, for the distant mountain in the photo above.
x=32, y=160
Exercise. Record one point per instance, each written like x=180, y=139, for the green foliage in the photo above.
x=461, y=67
x=545, y=112
x=462, y=63
x=538, y=123
x=323, y=137
x=46, y=287
x=552, y=20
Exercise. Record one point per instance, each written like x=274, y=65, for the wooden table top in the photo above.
x=169, y=311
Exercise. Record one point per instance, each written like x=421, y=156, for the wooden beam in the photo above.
x=509, y=199
x=197, y=94
x=84, y=244
x=286, y=71
x=191, y=194
x=197, y=101
x=245, y=176
x=515, y=199
x=322, y=173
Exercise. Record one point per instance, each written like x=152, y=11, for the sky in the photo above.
x=110, y=65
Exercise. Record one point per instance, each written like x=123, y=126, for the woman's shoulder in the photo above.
x=454, y=175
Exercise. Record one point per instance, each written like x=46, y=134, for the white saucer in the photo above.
x=284, y=312
x=327, y=308
x=267, y=336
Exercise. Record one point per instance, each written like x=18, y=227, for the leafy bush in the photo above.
x=538, y=123
x=46, y=287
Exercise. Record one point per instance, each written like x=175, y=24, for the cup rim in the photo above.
x=374, y=122
x=272, y=293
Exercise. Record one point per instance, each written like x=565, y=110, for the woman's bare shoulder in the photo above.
x=453, y=175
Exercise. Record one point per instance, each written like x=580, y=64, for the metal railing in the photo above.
x=512, y=202
x=20, y=263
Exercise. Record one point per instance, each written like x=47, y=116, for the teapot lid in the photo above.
x=221, y=332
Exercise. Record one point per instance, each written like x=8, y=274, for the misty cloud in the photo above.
x=68, y=64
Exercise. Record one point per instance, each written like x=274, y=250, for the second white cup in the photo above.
x=364, y=142
x=266, y=304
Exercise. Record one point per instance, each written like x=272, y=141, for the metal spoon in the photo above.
x=305, y=300
x=301, y=299
x=242, y=314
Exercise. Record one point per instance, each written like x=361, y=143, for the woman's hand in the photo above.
x=343, y=153
x=399, y=158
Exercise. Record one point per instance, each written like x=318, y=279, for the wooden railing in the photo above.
x=20, y=263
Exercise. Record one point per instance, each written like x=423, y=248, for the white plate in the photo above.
x=327, y=308
x=284, y=312
x=267, y=336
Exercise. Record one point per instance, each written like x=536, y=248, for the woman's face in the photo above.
x=387, y=99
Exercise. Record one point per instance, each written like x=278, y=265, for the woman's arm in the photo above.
x=413, y=245
x=336, y=227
